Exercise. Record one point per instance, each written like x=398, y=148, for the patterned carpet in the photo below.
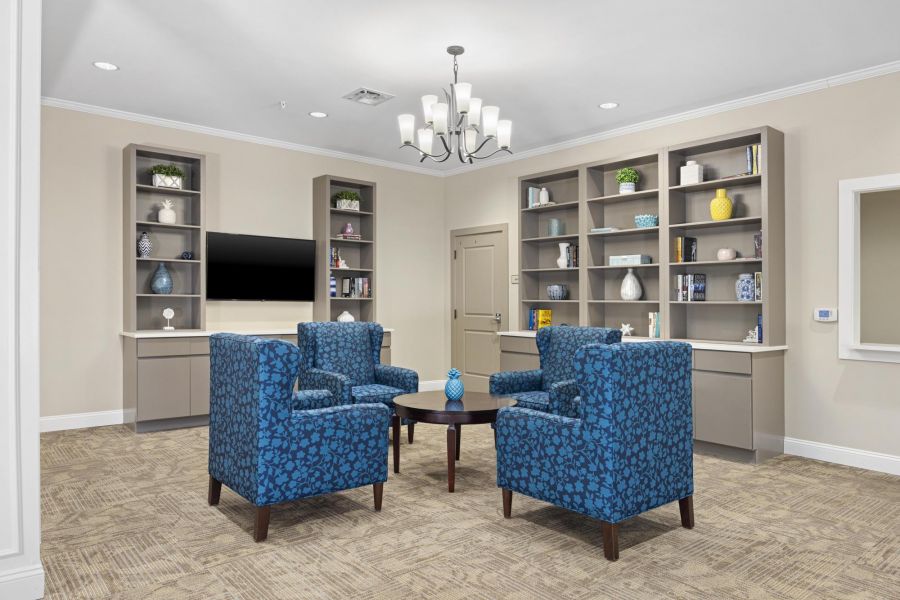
x=125, y=516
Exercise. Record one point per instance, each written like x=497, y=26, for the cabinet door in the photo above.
x=723, y=409
x=164, y=388
x=199, y=385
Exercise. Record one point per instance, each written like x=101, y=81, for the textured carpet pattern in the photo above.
x=125, y=516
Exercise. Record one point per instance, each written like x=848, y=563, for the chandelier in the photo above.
x=457, y=122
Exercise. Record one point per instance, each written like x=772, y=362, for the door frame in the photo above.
x=502, y=228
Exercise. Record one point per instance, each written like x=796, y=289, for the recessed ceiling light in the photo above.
x=609, y=105
x=105, y=66
x=318, y=114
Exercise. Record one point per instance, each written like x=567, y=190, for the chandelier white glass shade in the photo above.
x=461, y=124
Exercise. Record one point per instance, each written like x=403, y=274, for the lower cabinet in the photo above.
x=200, y=385
x=165, y=388
x=723, y=409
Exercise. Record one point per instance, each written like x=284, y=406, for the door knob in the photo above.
x=498, y=317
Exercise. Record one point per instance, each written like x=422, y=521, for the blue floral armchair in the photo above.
x=631, y=450
x=345, y=359
x=270, y=444
x=552, y=388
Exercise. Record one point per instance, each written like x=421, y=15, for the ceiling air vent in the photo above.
x=368, y=97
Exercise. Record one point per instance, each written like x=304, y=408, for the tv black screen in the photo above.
x=252, y=267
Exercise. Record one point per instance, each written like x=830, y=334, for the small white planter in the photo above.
x=347, y=204
x=167, y=181
x=627, y=188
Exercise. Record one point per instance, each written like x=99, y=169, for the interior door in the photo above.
x=480, y=302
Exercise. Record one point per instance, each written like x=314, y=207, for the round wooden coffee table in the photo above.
x=433, y=407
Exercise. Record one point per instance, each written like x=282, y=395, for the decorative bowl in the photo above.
x=558, y=291
x=646, y=220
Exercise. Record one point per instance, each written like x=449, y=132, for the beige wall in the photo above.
x=879, y=251
x=253, y=189
x=843, y=132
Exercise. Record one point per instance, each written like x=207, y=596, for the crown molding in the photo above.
x=232, y=135
x=786, y=92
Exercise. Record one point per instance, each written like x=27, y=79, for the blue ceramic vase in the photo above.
x=162, y=281
x=454, y=389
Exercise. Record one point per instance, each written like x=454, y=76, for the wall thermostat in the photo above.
x=825, y=314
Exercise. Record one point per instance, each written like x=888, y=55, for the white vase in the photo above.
x=563, y=261
x=167, y=213
x=345, y=317
x=545, y=196
x=631, y=287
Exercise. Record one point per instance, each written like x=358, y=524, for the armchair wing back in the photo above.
x=351, y=349
x=557, y=346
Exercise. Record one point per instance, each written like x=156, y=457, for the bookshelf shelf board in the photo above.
x=550, y=270
x=629, y=231
x=718, y=183
x=709, y=224
x=621, y=267
x=551, y=301
x=623, y=301
x=166, y=225
x=168, y=295
x=550, y=238
x=343, y=241
x=641, y=194
x=344, y=211
x=551, y=207
x=351, y=299
x=712, y=263
x=716, y=302
x=350, y=270
x=169, y=260
x=164, y=190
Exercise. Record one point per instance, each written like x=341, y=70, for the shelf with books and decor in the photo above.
x=344, y=213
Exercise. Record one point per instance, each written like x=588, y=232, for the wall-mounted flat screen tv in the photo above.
x=252, y=267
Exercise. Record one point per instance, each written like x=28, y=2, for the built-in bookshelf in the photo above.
x=606, y=228
x=143, y=309
x=356, y=251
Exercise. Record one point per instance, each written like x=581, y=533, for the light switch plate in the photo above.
x=826, y=315
x=514, y=279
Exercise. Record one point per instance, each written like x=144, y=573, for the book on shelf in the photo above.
x=759, y=335
x=757, y=245
x=685, y=249
x=572, y=256
x=757, y=278
x=626, y=260
x=350, y=236
x=654, y=329
x=539, y=317
x=356, y=287
x=690, y=287
x=604, y=229
x=754, y=159
x=533, y=195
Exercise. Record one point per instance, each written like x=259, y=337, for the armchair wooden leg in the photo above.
x=261, y=526
x=686, y=506
x=379, y=492
x=507, y=503
x=395, y=426
x=215, y=490
x=610, y=540
x=410, y=432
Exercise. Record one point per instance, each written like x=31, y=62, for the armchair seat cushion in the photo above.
x=375, y=392
x=533, y=400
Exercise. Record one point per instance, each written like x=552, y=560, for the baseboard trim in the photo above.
x=851, y=457
x=24, y=584
x=432, y=385
x=82, y=420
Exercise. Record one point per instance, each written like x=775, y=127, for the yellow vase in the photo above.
x=720, y=207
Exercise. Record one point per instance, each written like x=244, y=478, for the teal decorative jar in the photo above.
x=162, y=281
x=454, y=389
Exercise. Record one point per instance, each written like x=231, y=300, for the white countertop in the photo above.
x=721, y=346
x=181, y=333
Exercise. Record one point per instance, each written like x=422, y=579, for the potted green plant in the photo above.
x=346, y=200
x=627, y=179
x=167, y=176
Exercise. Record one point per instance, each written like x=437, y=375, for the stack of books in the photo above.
x=350, y=236
x=754, y=159
x=690, y=287
x=539, y=317
x=355, y=287
x=572, y=256
x=685, y=249
x=654, y=331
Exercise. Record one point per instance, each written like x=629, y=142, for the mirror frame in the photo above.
x=849, y=345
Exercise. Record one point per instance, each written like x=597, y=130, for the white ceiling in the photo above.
x=226, y=64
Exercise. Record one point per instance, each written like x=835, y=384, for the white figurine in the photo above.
x=751, y=337
x=167, y=315
x=627, y=329
x=343, y=264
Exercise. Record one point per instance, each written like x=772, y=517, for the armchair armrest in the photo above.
x=562, y=399
x=512, y=382
x=316, y=379
x=312, y=399
x=398, y=377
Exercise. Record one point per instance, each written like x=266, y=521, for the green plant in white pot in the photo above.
x=346, y=200
x=627, y=179
x=167, y=176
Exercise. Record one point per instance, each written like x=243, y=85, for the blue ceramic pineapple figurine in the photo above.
x=454, y=388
